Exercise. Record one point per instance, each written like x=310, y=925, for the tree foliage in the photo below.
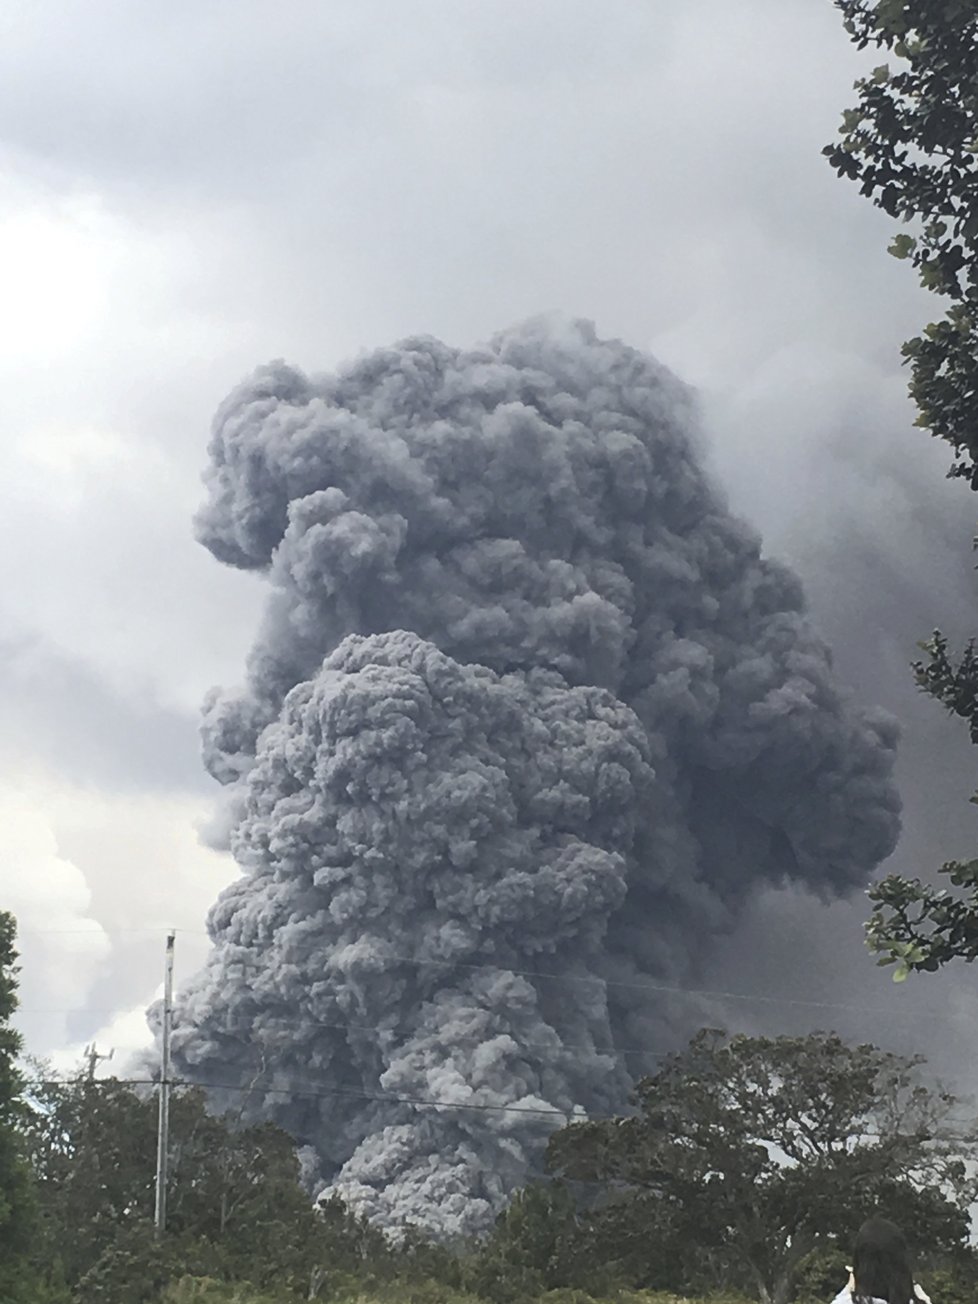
x=17, y=1210
x=746, y=1165
x=916, y=925
x=911, y=143
x=539, y=1244
x=750, y=1152
x=236, y=1207
x=92, y=1150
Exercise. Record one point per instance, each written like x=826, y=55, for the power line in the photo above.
x=658, y=988
x=100, y=930
x=374, y=1028
x=756, y=998
x=282, y=1026
x=329, y=1093
x=332, y=1093
x=283, y=1023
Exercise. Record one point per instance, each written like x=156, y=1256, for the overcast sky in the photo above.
x=190, y=189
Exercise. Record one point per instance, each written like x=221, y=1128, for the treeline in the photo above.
x=741, y=1175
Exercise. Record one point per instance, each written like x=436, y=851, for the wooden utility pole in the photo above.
x=163, y=1133
x=92, y=1056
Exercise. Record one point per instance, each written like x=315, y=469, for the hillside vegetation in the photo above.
x=739, y=1175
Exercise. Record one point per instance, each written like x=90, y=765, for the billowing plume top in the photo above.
x=480, y=562
x=507, y=503
x=537, y=503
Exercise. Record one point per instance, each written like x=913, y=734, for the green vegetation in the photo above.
x=911, y=142
x=739, y=1176
x=236, y=1209
x=204, y=1291
x=17, y=1208
x=748, y=1153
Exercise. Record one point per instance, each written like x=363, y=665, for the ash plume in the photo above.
x=528, y=720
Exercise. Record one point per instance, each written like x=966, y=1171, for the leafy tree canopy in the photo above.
x=236, y=1208
x=741, y=1153
x=917, y=925
x=911, y=143
x=17, y=1210
x=539, y=1244
x=751, y=1151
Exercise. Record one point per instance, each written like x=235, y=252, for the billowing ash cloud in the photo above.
x=528, y=719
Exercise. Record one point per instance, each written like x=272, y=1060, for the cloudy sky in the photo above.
x=190, y=189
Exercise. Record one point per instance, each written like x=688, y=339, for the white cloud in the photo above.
x=119, y=1044
x=96, y=882
x=62, y=947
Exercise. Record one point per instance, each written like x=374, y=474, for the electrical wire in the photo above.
x=658, y=989
x=329, y=1093
x=284, y=1027
x=332, y=1093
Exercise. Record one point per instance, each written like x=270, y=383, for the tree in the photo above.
x=17, y=1209
x=748, y=1153
x=92, y=1150
x=911, y=142
x=238, y=1187
x=236, y=1208
x=538, y=1244
x=914, y=924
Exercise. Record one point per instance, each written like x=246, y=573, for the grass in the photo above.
x=202, y=1290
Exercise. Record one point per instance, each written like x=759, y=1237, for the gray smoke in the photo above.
x=528, y=721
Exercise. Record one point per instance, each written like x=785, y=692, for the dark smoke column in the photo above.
x=528, y=720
